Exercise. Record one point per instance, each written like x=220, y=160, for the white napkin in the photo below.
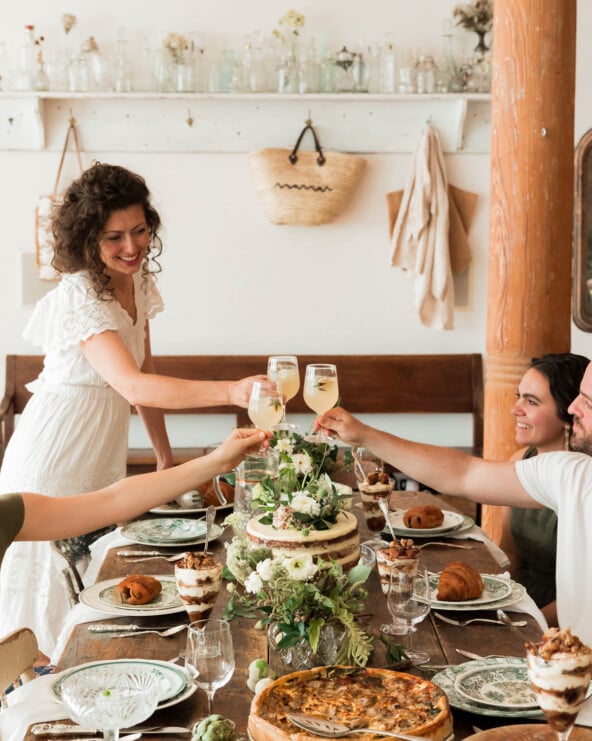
x=98, y=551
x=78, y=614
x=33, y=702
x=476, y=533
x=527, y=605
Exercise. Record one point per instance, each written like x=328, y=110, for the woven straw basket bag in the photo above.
x=304, y=188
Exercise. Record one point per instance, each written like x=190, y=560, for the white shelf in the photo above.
x=158, y=122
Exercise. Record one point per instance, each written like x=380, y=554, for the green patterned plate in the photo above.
x=503, y=684
x=101, y=596
x=171, y=530
x=466, y=523
x=496, y=589
x=446, y=680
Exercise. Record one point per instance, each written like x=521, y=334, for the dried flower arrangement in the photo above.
x=476, y=16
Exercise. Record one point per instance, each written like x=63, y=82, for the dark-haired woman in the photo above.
x=529, y=536
x=94, y=331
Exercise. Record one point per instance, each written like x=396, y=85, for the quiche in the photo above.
x=372, y=698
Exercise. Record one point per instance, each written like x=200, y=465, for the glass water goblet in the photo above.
x=562, y=678
x=321, y=392
x=109, y=698
x=283, y=371
x=265, y=409
x=210, y=655
x=409, y=603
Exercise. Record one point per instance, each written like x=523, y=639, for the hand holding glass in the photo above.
x=210, y=655
x=265, y=409
x=283, y=371
x=321, y=392
x=110, y=698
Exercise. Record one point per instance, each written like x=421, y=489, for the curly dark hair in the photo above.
x=87, y=205
x=564, y=372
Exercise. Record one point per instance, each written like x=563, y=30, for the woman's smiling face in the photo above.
x=537, y=422
x=124, y=240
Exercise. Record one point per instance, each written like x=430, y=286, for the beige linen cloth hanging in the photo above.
x=427, y=219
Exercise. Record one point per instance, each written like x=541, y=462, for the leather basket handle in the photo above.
x=293, y=157
x=71, y=130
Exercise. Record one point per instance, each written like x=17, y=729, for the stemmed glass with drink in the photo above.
x=321, y=392
x=283, y=371
x=265, y=409
x=210, y=655
x=110, y=698
x=409, y=603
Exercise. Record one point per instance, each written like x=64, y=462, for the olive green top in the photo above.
x=535, y=535
x=12, y=515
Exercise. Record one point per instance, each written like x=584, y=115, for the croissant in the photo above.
x=423, y=516
x=138, y=589
x=459, y=581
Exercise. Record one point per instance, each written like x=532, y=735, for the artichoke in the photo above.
x=213, y=728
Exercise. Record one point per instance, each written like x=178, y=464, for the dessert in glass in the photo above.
x=199, y=579
x=559, y=670
x=399, y=557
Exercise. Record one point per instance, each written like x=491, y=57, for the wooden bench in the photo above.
x=368, y=384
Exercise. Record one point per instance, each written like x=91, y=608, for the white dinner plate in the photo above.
x=100, y=596
x=171, y=678
x=517, y=593
x=173, y=509
x=502, y=683
x=496, y=588
x=451, y=521
x=136, y=537
x=172, y=530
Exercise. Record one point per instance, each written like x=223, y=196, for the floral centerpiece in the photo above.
x=309, y=604
x=478, y=17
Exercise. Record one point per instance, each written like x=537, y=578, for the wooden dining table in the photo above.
x=233, y=700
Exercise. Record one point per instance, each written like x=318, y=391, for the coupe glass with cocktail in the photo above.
x=559, y=670
x=321, y=392
x=283, y=371
x=111, y=697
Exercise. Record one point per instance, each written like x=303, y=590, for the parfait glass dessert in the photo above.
x=559, y=670
x=375, y=487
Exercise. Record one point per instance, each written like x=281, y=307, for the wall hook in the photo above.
x=10, y=120
x=189, y=118
x=308, y=120
x=71, y=120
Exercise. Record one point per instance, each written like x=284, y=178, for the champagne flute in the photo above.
x=283, y=371
x=409, y=603
x=110, y=697
x=321, y=392
x=210, y=655
x=264, y=410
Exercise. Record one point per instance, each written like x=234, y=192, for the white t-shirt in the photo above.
x=563, y=482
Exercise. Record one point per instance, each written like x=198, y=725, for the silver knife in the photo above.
x=116, y=627
x=71, y=729
x=140, y=553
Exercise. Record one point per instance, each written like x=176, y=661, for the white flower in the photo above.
x=262, y=684
x=253, y=583
x=265, y=569
x=284, y=445
x=300, y=568
x=302, y=463
x=257, y=491
x=306, y=505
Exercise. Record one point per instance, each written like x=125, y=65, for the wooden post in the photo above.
x=532, y=139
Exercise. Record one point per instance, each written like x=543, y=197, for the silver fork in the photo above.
x=462, y=623
x=447, y=545
x=170, y=559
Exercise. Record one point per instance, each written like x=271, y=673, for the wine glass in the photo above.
x=283, y=371
x=265, y=409
x=111, y=697
x=321, y=392
x=375, y=487
x=562, y=677
x=210, y=655
x=409, y=604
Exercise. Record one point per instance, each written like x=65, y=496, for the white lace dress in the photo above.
x=72, y=437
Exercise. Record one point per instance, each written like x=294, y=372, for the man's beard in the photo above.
x=580, y=443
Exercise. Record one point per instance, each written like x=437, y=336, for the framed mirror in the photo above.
x=582, y=236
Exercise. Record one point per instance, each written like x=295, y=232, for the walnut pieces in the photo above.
x=560, y=641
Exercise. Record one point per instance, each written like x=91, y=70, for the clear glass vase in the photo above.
x=301, y=656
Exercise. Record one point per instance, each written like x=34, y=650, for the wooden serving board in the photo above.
x=528, y=732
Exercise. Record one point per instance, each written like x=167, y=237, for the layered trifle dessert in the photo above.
x=559, y=669
x=401, y=555
x=199, y=579
x=376, y=487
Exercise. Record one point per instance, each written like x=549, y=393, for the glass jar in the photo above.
x=388, y=70
x=426, y=75
x=344, y=80
x=287, y=75
x=121, y=81
x=300, y=655
x=95, y=64
x=360, y=73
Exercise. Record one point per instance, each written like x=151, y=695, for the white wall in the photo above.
x=232, y=282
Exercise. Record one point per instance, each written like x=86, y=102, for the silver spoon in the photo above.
x=382, y=503
x=170, y=559
x=505, y=618
x=210, y=516
x=330, y=729
x=162, y=633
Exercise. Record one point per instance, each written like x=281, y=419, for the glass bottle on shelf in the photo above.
x=388, y=69
x=25, y=73
x=373, y=58
x=121, y=81
x=426, y=74
x=287, y=75
x=328, y=74
x=78, y=74
x=94, y=63
x=360, y=74
x=41, y=81
x=408, y=75
x=344, y=81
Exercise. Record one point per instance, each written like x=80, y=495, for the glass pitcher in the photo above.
x=251, y=471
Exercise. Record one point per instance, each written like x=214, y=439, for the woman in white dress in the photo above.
x=93, y=329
